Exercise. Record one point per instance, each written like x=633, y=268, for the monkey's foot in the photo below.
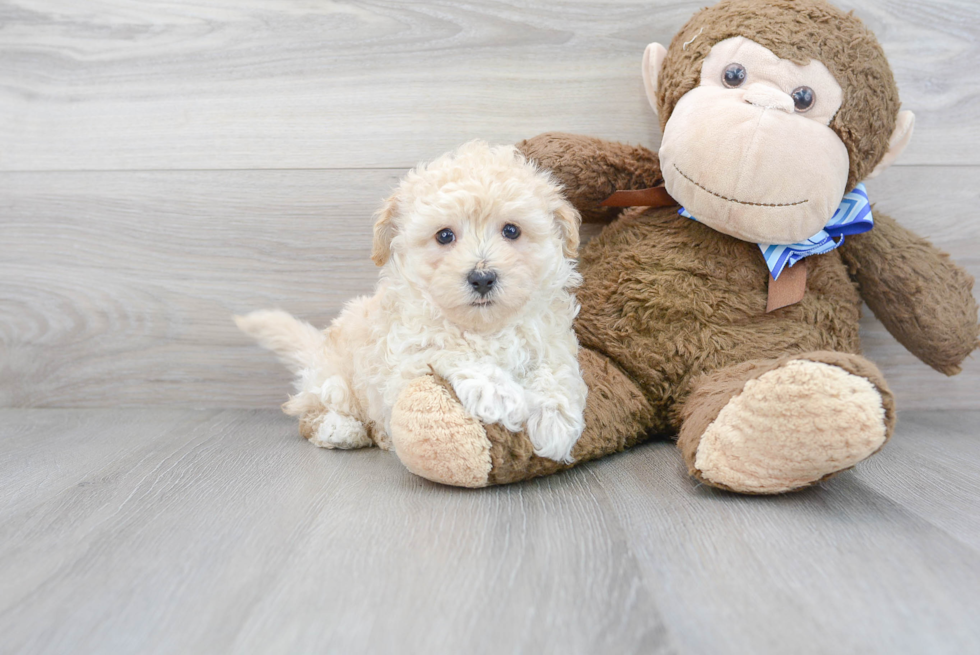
x=436, y=438
x=771, y=427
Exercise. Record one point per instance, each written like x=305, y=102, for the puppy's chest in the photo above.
x=511, y=351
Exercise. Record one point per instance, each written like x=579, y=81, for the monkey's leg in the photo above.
x=769, y=426
x=436, y=439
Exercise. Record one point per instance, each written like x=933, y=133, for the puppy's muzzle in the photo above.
x=482, y=281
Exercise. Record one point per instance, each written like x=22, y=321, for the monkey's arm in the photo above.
x=916, y=291
x=591, y=169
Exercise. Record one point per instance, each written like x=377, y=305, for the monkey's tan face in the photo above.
x=749, y=151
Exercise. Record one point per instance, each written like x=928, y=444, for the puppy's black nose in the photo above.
x=482, y=281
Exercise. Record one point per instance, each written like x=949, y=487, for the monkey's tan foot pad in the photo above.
x=436, y=438
x=790, y=427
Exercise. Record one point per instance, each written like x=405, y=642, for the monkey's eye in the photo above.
x=734, y=75
x=803, y=99
x=511, y=231
x=445, y=236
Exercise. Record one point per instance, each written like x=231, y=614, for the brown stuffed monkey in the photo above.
x=772, y=114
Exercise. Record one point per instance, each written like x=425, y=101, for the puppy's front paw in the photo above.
x=553, y=433
x=340, y=431
x=493, y=400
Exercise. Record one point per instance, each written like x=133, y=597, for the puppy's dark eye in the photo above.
x=445, y=236
x=803, y=98
x=511, y=231
x=734, y=75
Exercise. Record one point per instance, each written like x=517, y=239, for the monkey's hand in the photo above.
x=591, y=169
x=916, y=291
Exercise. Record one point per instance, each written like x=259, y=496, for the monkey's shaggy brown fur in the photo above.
x=667, y=301
x=673, y=325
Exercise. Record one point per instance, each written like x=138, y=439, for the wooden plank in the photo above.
x=932, y=468
x=271, y=84
x=45, y=453
x=164, y=531
x=118, y=287
x=241, y=537
x=846, y=567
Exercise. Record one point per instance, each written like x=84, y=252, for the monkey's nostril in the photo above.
x=482, y=281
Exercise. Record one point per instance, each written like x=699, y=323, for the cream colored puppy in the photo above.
x=476, y=285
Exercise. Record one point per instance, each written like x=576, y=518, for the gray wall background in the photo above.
x=165, y=165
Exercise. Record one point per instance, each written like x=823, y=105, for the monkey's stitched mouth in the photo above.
x=741, y=202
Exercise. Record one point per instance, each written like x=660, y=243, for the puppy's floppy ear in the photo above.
x=568, y=220
x=384, y=230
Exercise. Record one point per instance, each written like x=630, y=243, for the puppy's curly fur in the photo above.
x=476, y=250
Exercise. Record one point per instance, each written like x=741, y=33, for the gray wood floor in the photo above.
x=183, y=531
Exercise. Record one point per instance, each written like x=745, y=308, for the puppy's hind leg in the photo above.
x=323, y=402
x=327, y=417
x=335, y=430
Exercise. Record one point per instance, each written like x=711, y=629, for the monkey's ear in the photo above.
x=568, y=221
x=384, y=230
x=896, y=144
x=653, y=58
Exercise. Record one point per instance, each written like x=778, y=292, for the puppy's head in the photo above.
x=481, y=233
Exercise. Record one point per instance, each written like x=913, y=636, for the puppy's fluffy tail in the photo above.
x=298, y=344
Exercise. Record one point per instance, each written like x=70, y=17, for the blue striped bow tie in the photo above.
x=853, y=216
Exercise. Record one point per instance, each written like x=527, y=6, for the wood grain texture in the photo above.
x=859, y=564
x=235, y=535
x=118, y=287
x=128, y=281
x=187, y=84
x=181, y=531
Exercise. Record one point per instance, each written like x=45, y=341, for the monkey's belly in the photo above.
x=668, y=298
